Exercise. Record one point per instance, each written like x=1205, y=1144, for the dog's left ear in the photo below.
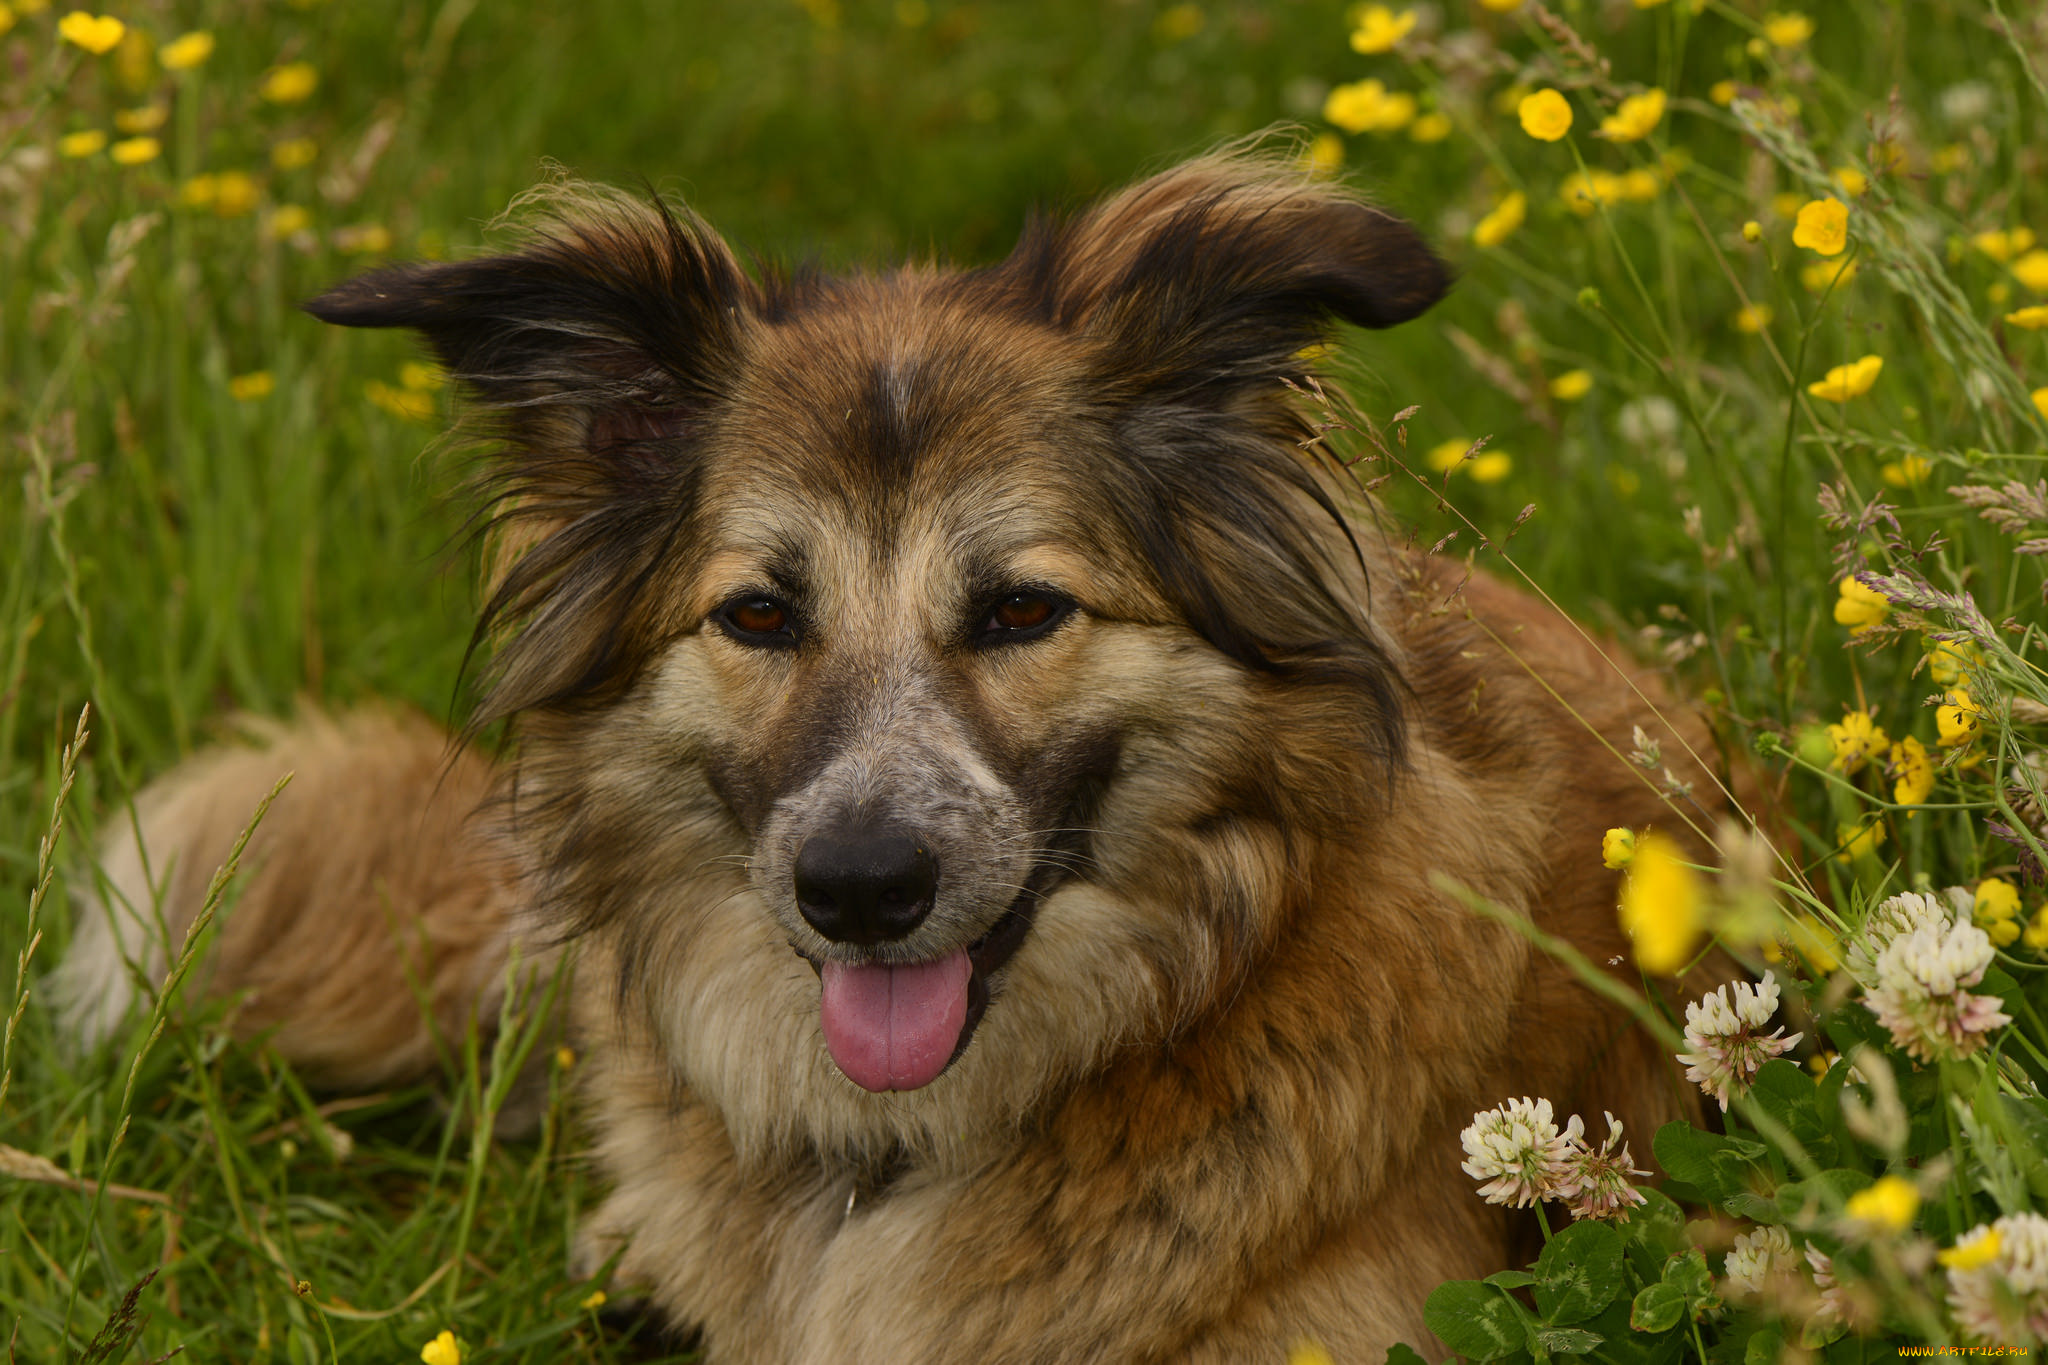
x=1214, y=275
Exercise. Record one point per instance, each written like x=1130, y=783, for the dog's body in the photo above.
x=1000, y=785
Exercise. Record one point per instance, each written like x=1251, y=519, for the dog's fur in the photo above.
x=1212, y=1106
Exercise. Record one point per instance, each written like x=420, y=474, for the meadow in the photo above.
x=1747, y=366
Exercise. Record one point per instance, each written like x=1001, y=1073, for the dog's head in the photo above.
x=971, y=634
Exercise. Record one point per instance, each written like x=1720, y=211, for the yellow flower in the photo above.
x=1379, y=28
x=1571, y=386
x=1787, y=30
x=1323, y=155
x=442, y=1350
x=1753, y=317
x=2031, y=270
x=293, y=153
x=1854, y=742
x=2002, y=244
x=97, y=34
x=1723, y=92
x=287, y=219
x=1949, y=159
x=1912, y=772
x=1844, y=382
x=2035, y=935
x=1957, y=719
x=565, y=1057
x=85, y=142
x=1999, y=292
x=1546, y=115
x=1857, y=841
x=1824, y=275
x=1617, y=847
x=1497, y=226
x=135, y=150
x=247, y=388
x=1585, y=191
x=1660, y=906
x=1858, y=607
x=1752, y=231
x=1175, y=25
x=1641, y=185
x=1444, y=455
x=6, y=18
x=1996, y=911
x=2033, y=317
x=421, y=377
x=402, y=403
x=184, y=53
x=2040, y=397
x=1635, y=119
x=1947, y=661
x=1823, y=226
x=1366, y=106
x=1809, y=938
x=1501, y=6
x=364, y=239
x=1888, y=1204
x=1649, y=4
x=1491, y=466
x=1311, y=1352
x=1909, y=472
x=1852, y=180
x=1434, y=126
x=1785, y=204
x=290, y=83
x=147, y=119
x=234, y=194
x=1973, y=1250
x=592, y=1301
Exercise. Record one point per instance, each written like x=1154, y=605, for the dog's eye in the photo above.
x=757, y=620
x=1023, y=616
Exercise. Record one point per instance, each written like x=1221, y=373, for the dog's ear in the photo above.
x=594, y=353
x=613, y=325
x=1214, y=275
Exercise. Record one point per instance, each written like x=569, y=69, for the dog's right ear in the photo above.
x=616, y=322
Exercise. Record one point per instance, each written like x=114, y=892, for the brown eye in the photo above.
x=1023, y=616
x=1022, y=612
x=757, y=621
x=762, y=617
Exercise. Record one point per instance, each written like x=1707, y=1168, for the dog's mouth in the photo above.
x=898, y=1026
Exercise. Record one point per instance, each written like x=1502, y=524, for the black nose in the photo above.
x=865, y=885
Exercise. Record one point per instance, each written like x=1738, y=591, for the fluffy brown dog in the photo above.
x=995, y=778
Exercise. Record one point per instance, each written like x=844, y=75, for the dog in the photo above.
x=1010, y=798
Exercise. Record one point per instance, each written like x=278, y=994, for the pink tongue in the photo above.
x=894, y=1028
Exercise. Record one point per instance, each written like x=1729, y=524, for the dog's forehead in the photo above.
x=886, y=405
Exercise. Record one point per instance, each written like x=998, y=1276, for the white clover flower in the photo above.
x=1919, y=995
x=1518, y=1148
x=1896, y=916
x=1648, y=421
x=1835, y=1305
x=2005, y=1301
x=1727, y=1040
x=1595, y=1183
x=1966, y=102
x=1759, y=1258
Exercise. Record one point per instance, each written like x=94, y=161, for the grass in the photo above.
x=176, y=549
